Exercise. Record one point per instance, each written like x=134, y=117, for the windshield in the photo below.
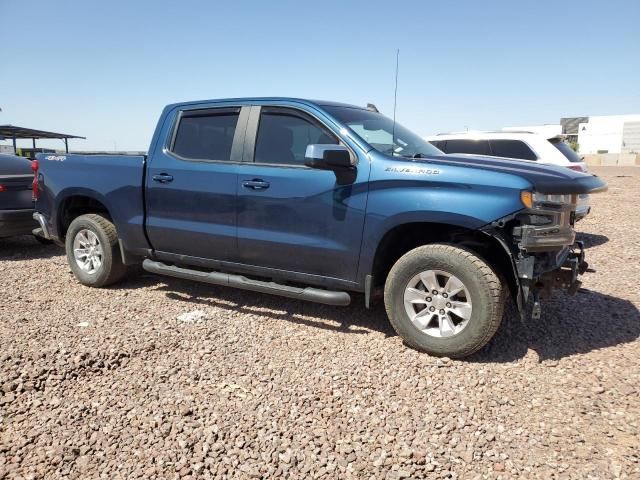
x=378, y=131
x=566, y=150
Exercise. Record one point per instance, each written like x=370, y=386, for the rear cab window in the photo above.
x=206, y=135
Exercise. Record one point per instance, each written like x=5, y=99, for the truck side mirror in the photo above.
x=328, y=157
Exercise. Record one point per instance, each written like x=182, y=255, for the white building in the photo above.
x=595, y=134
x=610, y=134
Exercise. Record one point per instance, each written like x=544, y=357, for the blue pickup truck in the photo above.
x=315, y=200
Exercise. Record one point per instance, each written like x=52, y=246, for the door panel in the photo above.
x=195, y=213
x=191, y=202
x=291, y=217
x=303, y=222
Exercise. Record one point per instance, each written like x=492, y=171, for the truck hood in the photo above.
x=544, y=178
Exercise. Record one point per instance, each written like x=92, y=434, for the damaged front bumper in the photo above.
x=540, y=241
x=539, y=275
x=566, y=277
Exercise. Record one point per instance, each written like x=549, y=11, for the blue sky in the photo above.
x=104, y=70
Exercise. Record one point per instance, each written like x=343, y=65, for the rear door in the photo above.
x=292, y=217
x=191, y=184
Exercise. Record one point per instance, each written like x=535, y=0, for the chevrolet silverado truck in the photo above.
x=316, y=200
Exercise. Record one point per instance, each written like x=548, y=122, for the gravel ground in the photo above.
x=159, y=378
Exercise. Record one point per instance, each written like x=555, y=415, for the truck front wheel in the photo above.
x=92, y=251
x=444, y=300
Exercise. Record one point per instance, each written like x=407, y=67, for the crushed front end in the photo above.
x=541, y=242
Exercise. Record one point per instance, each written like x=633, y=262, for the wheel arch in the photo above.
x=76, y=203
x=402, y=238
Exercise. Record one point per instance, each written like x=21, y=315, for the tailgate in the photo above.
x=15, y=192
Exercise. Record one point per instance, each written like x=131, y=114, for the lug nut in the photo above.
x=448, y=305
x=429, y=299
x=435, y=292
x=441, y=312
x=432, y=309
x=445, y=295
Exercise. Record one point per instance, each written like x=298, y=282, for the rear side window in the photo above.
x=475, y=147
x=439, y=144
x=206, y=135
x=566, y=150
x=512, y=149
x=284, y=134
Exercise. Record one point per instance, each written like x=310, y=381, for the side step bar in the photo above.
x=317, y=295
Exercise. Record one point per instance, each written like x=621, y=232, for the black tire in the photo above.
x=111, y=269
x=487, y=293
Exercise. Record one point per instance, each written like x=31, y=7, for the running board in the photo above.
x=317, y=295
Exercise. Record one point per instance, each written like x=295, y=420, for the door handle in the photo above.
x=256, y=184
x=163, y=178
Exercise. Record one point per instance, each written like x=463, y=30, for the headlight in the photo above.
x=554, y=198
x=546, y=223
x=526, y=198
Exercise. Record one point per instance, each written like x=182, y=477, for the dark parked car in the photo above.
x=16, y=202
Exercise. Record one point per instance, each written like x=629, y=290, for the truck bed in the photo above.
x=115, y=181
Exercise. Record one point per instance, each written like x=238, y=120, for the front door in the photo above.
x=191, y=185
x=292, y=217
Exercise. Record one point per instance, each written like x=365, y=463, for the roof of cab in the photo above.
x=318, y=103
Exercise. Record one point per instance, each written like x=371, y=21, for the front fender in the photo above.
x=435, y=200
x=377, y=227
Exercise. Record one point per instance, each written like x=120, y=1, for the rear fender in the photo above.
x=128, y=221
x=62, y=202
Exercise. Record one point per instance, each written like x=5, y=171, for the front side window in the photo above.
x=474, y=147
x=381, y=133
x=512, y=149
x=206, y=135
x=284, y=134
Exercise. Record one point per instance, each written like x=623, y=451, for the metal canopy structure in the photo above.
x=14, y=132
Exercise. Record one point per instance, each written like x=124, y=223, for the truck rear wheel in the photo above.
x=444, y=300
x=92, y=251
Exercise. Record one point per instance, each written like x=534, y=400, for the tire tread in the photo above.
x=118, y=269
x=496, y=291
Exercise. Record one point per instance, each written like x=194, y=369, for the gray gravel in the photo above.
x=110, y=384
